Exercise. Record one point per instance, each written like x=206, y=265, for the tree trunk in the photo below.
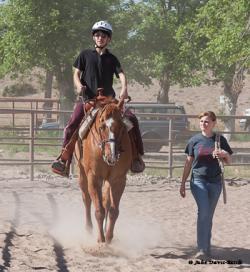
x=232, y=88
x=230, y=109
x=162, y=96
x=47, y=94
x=66, y=90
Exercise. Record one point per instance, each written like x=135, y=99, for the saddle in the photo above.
x=100, y=100
x=91, y=108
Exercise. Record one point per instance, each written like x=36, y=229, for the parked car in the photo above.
x=49, y=125
x=245, y=123
x=157, y=127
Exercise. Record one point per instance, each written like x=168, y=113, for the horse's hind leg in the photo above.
x=116, y=192
x=86, y=199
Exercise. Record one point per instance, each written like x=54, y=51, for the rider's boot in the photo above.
x=61, y=165
x=137, y=165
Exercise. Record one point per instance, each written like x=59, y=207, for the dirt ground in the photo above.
x=42, y=228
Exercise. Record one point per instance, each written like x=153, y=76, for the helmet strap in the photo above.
x=100, y=49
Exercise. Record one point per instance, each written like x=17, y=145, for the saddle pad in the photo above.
x=129, y=125
x=90, y=117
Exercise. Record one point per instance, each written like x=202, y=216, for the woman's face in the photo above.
x=207, y=124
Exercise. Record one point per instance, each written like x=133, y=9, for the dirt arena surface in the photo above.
x=42, y=228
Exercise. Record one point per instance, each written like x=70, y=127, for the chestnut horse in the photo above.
x=105, y=161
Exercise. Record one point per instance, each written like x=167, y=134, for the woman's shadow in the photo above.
x=235, y=256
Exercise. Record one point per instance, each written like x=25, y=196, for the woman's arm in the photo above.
x=186, y=172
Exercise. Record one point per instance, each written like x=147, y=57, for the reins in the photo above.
x=101, y=141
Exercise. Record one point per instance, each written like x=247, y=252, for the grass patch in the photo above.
x=50, y=150
x=237, y=171
x=230, y=172
x=21, y=144
x=241, y=137
x=156, y=172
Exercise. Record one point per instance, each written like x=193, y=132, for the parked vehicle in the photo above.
x=245, y=123
x=156, y=128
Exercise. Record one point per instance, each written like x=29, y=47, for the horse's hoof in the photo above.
x=108, y=239
x=101, y=240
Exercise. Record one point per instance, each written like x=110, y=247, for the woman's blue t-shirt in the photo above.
x=201, y=148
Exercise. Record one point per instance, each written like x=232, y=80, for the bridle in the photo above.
x=115, y=143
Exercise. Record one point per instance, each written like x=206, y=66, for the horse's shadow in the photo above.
x=235, y=255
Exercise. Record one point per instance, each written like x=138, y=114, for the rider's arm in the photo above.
x=124, y=90
x=79, y=87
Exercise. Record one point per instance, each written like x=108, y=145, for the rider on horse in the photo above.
x=94, y=71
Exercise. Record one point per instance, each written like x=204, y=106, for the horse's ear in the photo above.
x=120, y=104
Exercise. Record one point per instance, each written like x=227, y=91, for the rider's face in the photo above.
x=101, y=39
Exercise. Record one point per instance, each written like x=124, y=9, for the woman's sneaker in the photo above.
x=202, y=255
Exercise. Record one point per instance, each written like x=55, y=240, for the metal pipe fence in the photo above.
x=170, y=158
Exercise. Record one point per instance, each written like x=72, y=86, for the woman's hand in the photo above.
x=220, y=154
x=183, y=189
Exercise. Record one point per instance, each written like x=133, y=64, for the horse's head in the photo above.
x=111, y=129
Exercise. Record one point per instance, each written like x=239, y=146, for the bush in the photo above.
x=19, y=90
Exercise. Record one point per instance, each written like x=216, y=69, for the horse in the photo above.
x=106, y=158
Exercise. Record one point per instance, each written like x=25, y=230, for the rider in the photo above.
x=94, y=70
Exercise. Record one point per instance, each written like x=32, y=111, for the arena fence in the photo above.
x=19, y=127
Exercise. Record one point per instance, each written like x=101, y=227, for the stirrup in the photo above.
x=60, y=168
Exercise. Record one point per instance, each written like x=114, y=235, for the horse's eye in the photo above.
x=103, y=126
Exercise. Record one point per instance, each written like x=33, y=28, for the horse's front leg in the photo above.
x=117, y=189
x=83, y=183
x=95, y=191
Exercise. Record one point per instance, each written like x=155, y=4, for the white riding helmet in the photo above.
x=102, y=26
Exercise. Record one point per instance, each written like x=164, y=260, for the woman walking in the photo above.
x=203, y=163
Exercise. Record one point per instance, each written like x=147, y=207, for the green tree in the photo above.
x=148, y=48
x=217, y=41
x=48, y=34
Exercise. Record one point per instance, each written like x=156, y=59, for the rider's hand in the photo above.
x=81, y=90
x=123, y=94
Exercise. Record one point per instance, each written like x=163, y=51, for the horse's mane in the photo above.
x=111, y=109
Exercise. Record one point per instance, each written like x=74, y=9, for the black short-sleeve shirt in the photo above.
x=97, y=71
x=201, y=148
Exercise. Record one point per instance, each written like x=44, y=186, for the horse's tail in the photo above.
x=106, y=201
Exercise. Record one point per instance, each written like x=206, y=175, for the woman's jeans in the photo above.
x=206, y=194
